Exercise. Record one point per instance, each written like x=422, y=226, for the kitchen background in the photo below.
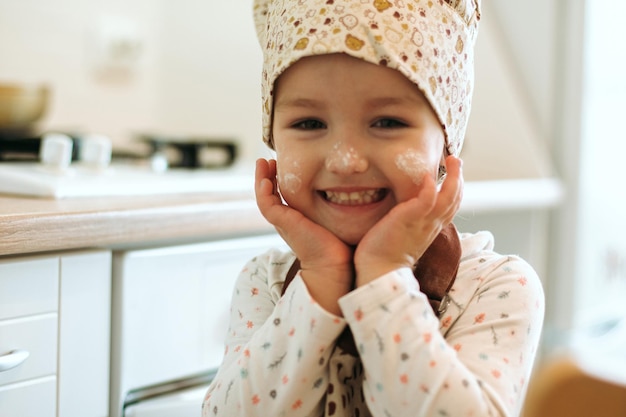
x=549, y=102
x=123, y=68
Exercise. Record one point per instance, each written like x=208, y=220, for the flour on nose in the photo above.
x=344, y=158
x=412, y=163
x=289, y=176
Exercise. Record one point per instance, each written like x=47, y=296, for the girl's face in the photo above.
x=352, y=140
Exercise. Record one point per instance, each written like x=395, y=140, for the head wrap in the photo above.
x=431, y=42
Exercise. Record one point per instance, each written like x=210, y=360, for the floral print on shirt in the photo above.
x=281, y=359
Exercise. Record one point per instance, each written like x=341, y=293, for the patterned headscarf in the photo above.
x=431, y=42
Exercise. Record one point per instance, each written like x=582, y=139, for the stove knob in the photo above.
x=95, y=151
x=56, y=151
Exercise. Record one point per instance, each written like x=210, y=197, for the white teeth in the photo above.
x=353, y=198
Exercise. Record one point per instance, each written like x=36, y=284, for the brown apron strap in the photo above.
x=291, y=274
x=437, y=268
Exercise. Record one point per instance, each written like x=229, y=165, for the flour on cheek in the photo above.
x=289, y=176
x=413, y=164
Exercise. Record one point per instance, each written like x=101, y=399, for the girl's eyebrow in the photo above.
x=397, y=101
x=375, y=102
x=300, y=102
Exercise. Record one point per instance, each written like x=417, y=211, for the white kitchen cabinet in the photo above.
x=56, y=308
x=35, y=336
x=28, y=286
x=29, y=304
x=171, y=308
x=84, y=334
x=35, y=398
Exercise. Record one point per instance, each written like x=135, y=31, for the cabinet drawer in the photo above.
x=29, y=286
x=29, y=399
x=38, y=336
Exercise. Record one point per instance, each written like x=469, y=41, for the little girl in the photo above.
x=381, y=308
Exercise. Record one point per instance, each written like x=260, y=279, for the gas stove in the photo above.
x=61, y=166
x=180, y=151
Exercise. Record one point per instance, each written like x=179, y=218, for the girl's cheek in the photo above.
x=413, y=164
x=289, y=176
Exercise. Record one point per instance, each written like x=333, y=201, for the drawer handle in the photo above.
x=12, y=359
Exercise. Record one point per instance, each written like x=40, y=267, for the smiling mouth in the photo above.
x=354, y=198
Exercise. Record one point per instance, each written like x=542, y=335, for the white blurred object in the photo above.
x=95, y=151
x=118, y=180
x=55, y=152
x=600, y=349
x=182, y=404
x=118, y=45
x=158, y=162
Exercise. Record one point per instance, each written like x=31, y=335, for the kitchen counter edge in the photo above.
x=30, y=225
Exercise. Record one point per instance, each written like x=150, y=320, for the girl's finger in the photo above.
x=427, y=196
x=260, y=172
x=451, y=191
x=265, y=188
x=453, y=176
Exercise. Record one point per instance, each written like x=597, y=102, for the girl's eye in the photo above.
x=309, y=124
x=389, y=123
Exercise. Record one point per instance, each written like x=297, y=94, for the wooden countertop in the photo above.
x=30, y=225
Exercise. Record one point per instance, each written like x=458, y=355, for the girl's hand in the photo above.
x=401, y=237
x=325, y=261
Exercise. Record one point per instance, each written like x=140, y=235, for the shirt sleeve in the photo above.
x=481, y=365
x=276, y=351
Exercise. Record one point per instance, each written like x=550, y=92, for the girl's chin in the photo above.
x=350, y=239
x=352, y=234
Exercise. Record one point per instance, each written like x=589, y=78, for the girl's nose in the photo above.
x=345, y=159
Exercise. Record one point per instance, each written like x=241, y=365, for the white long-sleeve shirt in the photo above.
x=474, y=360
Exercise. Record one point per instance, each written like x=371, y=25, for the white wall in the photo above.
x=506, y=137
x=54, y=42
x=512, y=120
x=602, y=258
x=569, y=57
x=210, y=71
x=529, y=30
x=197, y=72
